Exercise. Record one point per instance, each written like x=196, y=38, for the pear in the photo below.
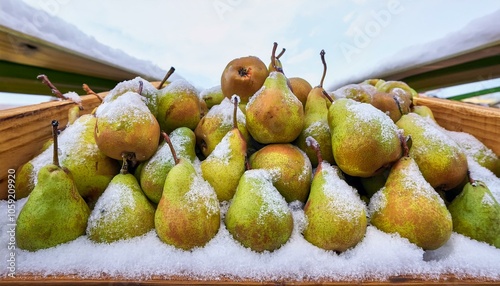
x=91, y=169
x=226, y=164
x=365, y=140
x=390, y=104
x=358, y=92
x=441, y=161
x=125, y=125
x=290, y=168
x=215, y=125
x=316, y=122
x=301, y=88
x=122, y=211
x=55, y=212
x=138, y=85
x=243, y=77
x=154, y=171
x=423, y=110
x=409, y=206
x=258, y=216
x=401, y=92
x=178, y=106
x=188, y=214
x=274, y=114
x=336, y=216
x=212, y=96
x=476, y=213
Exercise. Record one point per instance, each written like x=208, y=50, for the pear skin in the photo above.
x=188, y=213
x=336, y=216
x=364, y=139
x=258, y=216
x=409, y=206
x=476, y=213
x=274, y=114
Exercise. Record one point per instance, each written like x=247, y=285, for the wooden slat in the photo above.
x=482, y=122
x=445, y=279
x=25, y=129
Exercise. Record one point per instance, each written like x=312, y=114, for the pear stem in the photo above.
x=88, y=90
x=124, y=169
x=311, y=142
x=169, y=73
x=471, y=180
x=141, y=86
x=322, y=55
x=55, y=157
x=236, y=101
x=273, y=58
x=45, y=80
x=171, y=146
x=327, y=96
x=280, y=54
x=404, y=143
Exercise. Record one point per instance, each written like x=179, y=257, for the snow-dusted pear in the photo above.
x=188, y=214
x=122, y=211
x=476, y=213
x=258, y=216
x=154, y=171
x=408, y=205
x=226, y=164
x=126, y=125
x=336, y=216
x=55, y=212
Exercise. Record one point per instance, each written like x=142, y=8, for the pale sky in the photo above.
x=199, y=37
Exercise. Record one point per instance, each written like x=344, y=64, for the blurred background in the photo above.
x=448, y=49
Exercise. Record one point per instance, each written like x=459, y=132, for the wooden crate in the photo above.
x=24, y=130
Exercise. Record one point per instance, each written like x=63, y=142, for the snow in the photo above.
x=21, y=17
x=478, y=33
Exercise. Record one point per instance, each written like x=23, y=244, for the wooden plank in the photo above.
x=445, y=279
x=25, y=129
x=482, y=122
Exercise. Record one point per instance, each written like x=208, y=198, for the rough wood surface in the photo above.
x=448, y=279
x=482, y=122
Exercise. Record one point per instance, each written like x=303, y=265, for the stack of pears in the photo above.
x=251, y=145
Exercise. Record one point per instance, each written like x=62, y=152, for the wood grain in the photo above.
x=482, y=122
x=445, y=279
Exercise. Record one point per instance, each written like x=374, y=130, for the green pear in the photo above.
x=441, y=161
x=357, y=92
x=365, y=140
x=92, y=170
x=409, y=206
x=140, y=86
x=178, y=106
x=226, y=164
x=476, y=213
x=122, y=211
x=336, y=216
x=316, y=122
x=216, y=123
x=188, y=214
x=423, y=111
x=154, y=171
x=258, y=216
x=290, y=168
x=212, y=96
x=55, y=212
x=125, y=125
x=401, y=91
x=274, y=114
